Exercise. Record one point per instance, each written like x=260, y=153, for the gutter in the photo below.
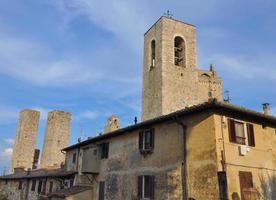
x=183, y=150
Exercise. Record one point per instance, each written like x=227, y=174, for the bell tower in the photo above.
x=170, y=79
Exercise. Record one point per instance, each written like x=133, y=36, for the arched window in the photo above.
x=179, y=52
x=153, y=53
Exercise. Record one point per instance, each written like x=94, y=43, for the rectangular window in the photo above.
x=146, y=187
x=250, y=135
x=222, y=180
x=146, y=140
x=101, y=190
x=33, y=185
x=51, y=186
x=236, y=132
x=74, y=158
x=104, y=150
x=39, y=188
x=20, y=185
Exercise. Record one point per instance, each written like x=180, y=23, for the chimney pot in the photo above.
x=266, y=108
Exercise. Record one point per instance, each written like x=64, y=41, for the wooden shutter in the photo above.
x=246, y=182
x=33, y=185
x=151, y=185
x=106, y=150
x=152, y=133
x=141, y=133
x=140, y=186
x=101, y=190
x=250, y=135
x=232, y=132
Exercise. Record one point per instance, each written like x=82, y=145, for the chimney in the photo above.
x=266, y=108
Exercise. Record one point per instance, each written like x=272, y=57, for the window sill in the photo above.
x=146, y=151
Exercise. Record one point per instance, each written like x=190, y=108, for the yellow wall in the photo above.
x=259, y=160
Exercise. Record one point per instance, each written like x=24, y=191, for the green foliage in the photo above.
x=3, y=197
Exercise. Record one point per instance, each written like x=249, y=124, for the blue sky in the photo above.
x=85, y=57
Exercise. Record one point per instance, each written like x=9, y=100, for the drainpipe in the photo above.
x=183, y=150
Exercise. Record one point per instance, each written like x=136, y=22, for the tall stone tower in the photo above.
x=24, y=146
x=171, y=80
x=57, y=137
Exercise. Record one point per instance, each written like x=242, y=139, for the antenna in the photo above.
x=227, y=96
x=4, y=170
x=168, y=14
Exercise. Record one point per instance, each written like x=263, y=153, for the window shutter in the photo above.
x=101, y=190
x=152, y=138
x=106, y=150
x=141, y=140
x=250, y=135
x=232, y=132
x=151, y=185
x=140, y=185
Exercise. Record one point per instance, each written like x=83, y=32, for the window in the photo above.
x=33, y=185
x=74, y=158
x=51, y=186
x=179, y=52
x=105, y=149
x=236, y=132
x=39, y=188
x=101, y=190
x=146, y=187
x=20, y=185
x=250, y=135
x=153, y=53
x=146, y=140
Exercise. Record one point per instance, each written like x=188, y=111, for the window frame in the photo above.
x=74, y=158
x=146, y=140
x=233, y=138
x=142, y=187
x=101, y=190
x=33, y=185
x=153, y=53
x=20, y=185
x=104, y=150
x=39, y=188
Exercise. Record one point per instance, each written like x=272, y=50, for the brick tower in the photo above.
x=24, y=146
x=171, y=80
x=57, y=137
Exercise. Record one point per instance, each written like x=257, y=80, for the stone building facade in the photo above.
x=57, y=137
x=171, y=80
x=35, y=184
x=193, y=155
x=25, y=141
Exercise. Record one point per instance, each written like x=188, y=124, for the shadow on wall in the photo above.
x=267, y=190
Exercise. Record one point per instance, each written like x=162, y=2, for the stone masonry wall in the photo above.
x=24, y=147
x=168, y=87
x=56, y=138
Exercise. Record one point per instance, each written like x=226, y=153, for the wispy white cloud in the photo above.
x=257, y=68
x=9, y=141
x=88, y=114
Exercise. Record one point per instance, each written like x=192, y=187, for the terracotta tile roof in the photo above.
x=39, y=173
x=213, y=106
